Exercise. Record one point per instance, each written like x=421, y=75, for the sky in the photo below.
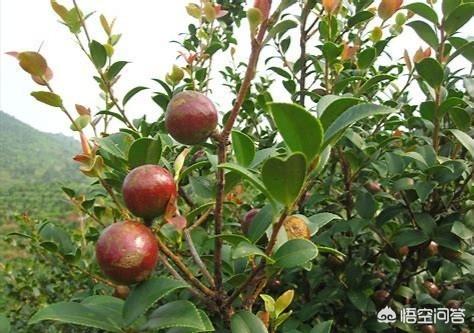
x=147, y=27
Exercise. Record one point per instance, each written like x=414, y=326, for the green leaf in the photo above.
x=4, y=324
x=373, y=81
x=143, y=296
x=247, y=322
x=462, y=231
x=33, y=63
x=246, y=249
x=244, y=148
x=300, y=130
x=269, y=302
x=175, y=314
x=431, y=71
x=131, y=93
x=351, y=116
x=284, y=177
x=80, y=122
x=47, y=97
x=144, y=151
x=77, y=314
x=98, y=54
x=115, y=69
x=205, y=319
x=283, y=301
x=365, y=205
x=359, y=18
x=282, y=27
x=249, y=176
x=463, y=47
x=260, y=223
x=449, y=5
x=465, y=140
x=324, y=327
x=459, y=17
x=366, y=58
x=425, y=32
x=424, y=11
x=319, y=220
x=295, y=252
x=330, y=107
x=410, y=238
x=461, y=118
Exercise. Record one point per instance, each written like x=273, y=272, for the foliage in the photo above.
x=364, y=193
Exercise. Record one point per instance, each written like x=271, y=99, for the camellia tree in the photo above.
x=302, y=214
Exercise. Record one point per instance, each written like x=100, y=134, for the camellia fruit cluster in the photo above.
x=127, y=251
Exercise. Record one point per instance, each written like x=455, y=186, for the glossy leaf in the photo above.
x=294, y=253
x=80, y=122
x=98, y=54
x=79, y=314
x=459, y=17
x=431, y=71
x=424, y=11
x=244, y=148
x=247, y=322
x=330, y=107
x=115, y=69
x=182, y=314
x=284, y=177
x=260, y=223
x=465, y=140
x=144, y=151
x=245, y=250
x=251, y=177
x=284, y=301
x=425, y=32
x=48, y=98
x=301, y=131
x=131, y=93
x=352, y=115
x=324, y=327
x=143, y=296
x=319, y=220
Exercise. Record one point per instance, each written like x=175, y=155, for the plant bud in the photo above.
x=255, y=17
x=396, y=29
x=400, y=19
x=389, y=7
x=264, y=7
x=420, y=54
x=376, y=34
x=42, y=80
x=407, y=59
x=194, y=10
x=209, y=12
x=175, y=76
x=331, y=6
x=349, y=51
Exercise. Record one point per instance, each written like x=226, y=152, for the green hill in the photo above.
x=33, y=166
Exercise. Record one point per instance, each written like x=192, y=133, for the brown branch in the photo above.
x=188, y=275
x=222, y=150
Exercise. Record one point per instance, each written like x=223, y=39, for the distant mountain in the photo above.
x=33, y=164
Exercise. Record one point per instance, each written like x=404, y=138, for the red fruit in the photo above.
x=428, y=329
x=373, y=187
x=264, y=7
x=147, y=190
x=380, y=297
x=247, y=220
x=127, y=252
x=191, y=117
x=432, y=289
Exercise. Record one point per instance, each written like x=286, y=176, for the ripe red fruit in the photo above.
x=380, y=297
x=147, y=190
x=428, y=329
x=127, y=252
x=432, y=289
x=191, y=117
x=247, y=220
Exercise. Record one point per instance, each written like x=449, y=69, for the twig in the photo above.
x=222, y=149
x=197, y=258
x=188, y=275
